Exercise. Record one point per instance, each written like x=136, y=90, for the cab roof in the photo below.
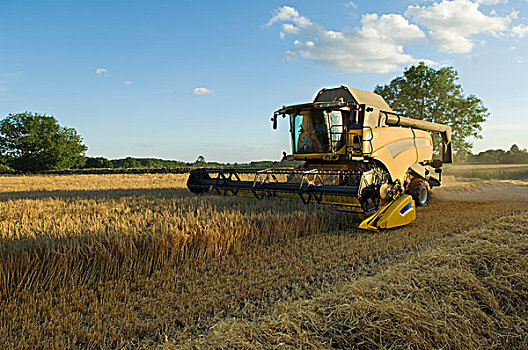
x=352, y=95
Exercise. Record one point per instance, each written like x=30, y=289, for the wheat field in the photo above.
x=137, y=261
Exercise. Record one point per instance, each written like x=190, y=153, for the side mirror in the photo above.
x=274, y=120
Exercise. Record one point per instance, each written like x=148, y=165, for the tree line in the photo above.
x=154, y=163
x=514, y=155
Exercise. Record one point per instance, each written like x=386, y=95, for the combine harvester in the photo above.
x=358, y=154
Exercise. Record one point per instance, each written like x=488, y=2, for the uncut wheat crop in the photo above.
x=58, y=230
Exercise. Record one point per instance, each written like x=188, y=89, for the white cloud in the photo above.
x=101, y=72
x=127, y=82
x=391, y=27
x=453, y=23
x=287, y=13
x=520, y=31
x=377, y=46
x=203, y=91
x=351, y=4
x=290, y=56
x=288, y=28
x=492, y=2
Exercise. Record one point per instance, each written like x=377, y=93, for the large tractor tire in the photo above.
x=419, y=189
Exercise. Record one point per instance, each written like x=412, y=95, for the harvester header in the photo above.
x=357, y=154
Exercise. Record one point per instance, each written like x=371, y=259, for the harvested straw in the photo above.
x=471, y=292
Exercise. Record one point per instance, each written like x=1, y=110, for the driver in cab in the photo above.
x=308, y=141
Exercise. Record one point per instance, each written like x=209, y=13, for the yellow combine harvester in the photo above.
x=358, y=154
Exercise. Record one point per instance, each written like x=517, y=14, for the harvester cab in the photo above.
x=357, y=154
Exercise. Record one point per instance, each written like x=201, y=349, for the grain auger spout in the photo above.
x=357, y=154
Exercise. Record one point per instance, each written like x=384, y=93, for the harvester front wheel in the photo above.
x=419, y=189
x=194, y=184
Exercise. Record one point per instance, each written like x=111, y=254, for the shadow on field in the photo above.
x=97, y=194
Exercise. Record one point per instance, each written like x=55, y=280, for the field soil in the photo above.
x=136, y=261
x=481, y=190
x=488, y=166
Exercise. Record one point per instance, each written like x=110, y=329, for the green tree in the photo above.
x=97, y=162
x=461, y=156
x=35, y=142
x=434, y=95
x=130, y=162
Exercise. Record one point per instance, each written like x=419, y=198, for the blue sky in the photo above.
x=178, y=79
